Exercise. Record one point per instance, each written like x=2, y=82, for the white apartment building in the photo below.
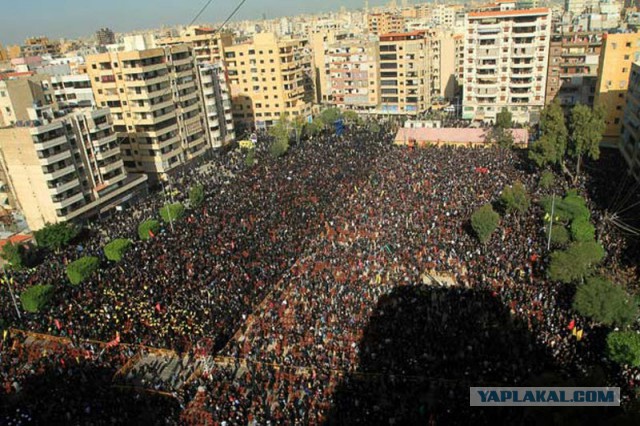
x=506, y=59
x=630, y=145
x=216, y=97
x=73, y=91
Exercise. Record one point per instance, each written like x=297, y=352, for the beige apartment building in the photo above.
x=207, y=44
x=385, y=23
x=619, y=52
x=405, y=68
x=208, y=50
x=156, y=106
x=23, y=91
x=443, y=64
x=506, y=58
x=64, y=168
x=352, y=78
x=269, y=77
x=38, y=46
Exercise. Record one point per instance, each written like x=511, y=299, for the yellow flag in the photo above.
x=574, y=331
x=4, y=334
x=579, y=335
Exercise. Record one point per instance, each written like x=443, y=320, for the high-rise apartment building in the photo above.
x=73, y=91
x=385, y=23
x=105, y=36
x=630, y=141
x=405, y=66
x=4, y=55
x=351, y=71
x=619, y=52
x=216, y=99
x=156, y=107
x=21, y=91
x=506, y=56
x=573, y=68
x=208, y=44
x=269, y=77
x=443, y=64
x=208, y=50
x=63, y=168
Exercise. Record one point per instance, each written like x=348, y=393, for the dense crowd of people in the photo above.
x=306, y=273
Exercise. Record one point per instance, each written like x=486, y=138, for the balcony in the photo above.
x=41, y=146
x=68, y=201
x=103, y=141
x=55, y=158
x=63, y=187
x=111, y=167
x=103, y=155
x=143, y=68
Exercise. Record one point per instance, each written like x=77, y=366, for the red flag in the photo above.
x=151, y=234
x=57, y=323
x=571, y=325
x=114, y=342
x=158, y=307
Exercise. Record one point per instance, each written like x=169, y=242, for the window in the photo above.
x=626, y=57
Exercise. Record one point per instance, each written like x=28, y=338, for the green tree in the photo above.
x=148, y=227
x=196, y=196
x=504, y=119
x=280, y=133
x=551, y=148
x=559, y=235
x=36, y=297
x=566, y=209
x=352, y=117
x=582, y=230
x=171, y=212
x=605, y=302
x=373, y=126
x=81, y=269
x=484, y=221
x=623, y=347
x=575, y=263
x=117, y=248
x=515, y=198
x=330, y=115
x=547, y=179
x=250, y=158
x=587, y=126
x=13, y=254
x=56, y=236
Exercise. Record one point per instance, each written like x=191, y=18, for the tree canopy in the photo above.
x=81, y=269
x=148, y=227
x=547, y=179
x=587, y=126
x=515, y=198
x=623, y=347
x=576, y=262
x=605, y=302
x=504, y=119
x=330, y=115
x=13, y=254
x=196, y=196
x=171, y=212
x=484, y=221
x=116, y=249
x=56, y=236
x=36, y=297
x=551, y=148
x=280, y=134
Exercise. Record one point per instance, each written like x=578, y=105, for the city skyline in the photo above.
x=72, y=18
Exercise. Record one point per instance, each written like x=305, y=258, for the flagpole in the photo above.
x=553, y=205
x=13, y=297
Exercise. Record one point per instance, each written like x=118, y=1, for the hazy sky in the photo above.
x=72, y=18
